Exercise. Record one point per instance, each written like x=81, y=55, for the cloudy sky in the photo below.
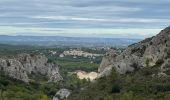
x=88, y=18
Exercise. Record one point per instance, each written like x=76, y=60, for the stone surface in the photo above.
x=107, y=60
x=13, y=68
x=24, y=64
x=53, y=73
x=62, y=94
x=142, y=54
x=166, y=66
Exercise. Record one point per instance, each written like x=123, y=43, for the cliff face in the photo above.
x=145, y=53
x=13, y=68
x=23, y=65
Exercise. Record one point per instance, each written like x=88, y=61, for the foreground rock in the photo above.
x=23, y=65
x=146, y=53
x=62, y=94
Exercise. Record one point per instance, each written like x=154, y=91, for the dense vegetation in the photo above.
x=37, y=89
x=80, y=63
x=11, y=89
x=143, y=84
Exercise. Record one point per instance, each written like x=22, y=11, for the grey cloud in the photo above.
x=85, y=13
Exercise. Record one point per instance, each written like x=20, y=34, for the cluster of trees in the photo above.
x=70, y=64
x=12, y=89
x=37, y=88
x=72, y=82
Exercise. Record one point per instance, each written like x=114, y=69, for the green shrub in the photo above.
x=115, y=88
x=108, y=98
x=159, y=62
x=4, y=82
x=127, y=96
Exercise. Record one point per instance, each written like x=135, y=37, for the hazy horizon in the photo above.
x=99, y=37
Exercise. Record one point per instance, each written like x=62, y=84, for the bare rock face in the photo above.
x=34, y=63
x=53, y=73
x=145, y=53
x=23, y=65
x=105, y=72
x=39, y=64
x=166, y=67
x=62, y=94
x=107, y=60
x=14, y=69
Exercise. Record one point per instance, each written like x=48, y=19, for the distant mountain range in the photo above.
x=65, y=41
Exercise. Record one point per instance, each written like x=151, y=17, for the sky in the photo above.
x=85, y=18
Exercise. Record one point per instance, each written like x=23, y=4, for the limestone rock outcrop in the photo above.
x=23, y=65
x=13, y=68
x=62, y=94
x=145, y=53
x=107, y=60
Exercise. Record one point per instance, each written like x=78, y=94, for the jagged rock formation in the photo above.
x=107, y=60
x=62, y=94
x=23, y=65
x=145, y=53
x=13, y=68
x=106, y=64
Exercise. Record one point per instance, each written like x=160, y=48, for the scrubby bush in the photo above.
x=139, y=85
x=115, y=88
x=127, y=96
x=108, y=98
x=159, y=62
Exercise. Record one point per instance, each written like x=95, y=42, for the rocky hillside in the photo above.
x=145, y=53
x=140, y=72
x=24, y=65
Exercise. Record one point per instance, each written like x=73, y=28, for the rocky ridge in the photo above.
x=24, y=65
x=146, y=53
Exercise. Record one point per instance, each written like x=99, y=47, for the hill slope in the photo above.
x=145, y=53
x=141, y=72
